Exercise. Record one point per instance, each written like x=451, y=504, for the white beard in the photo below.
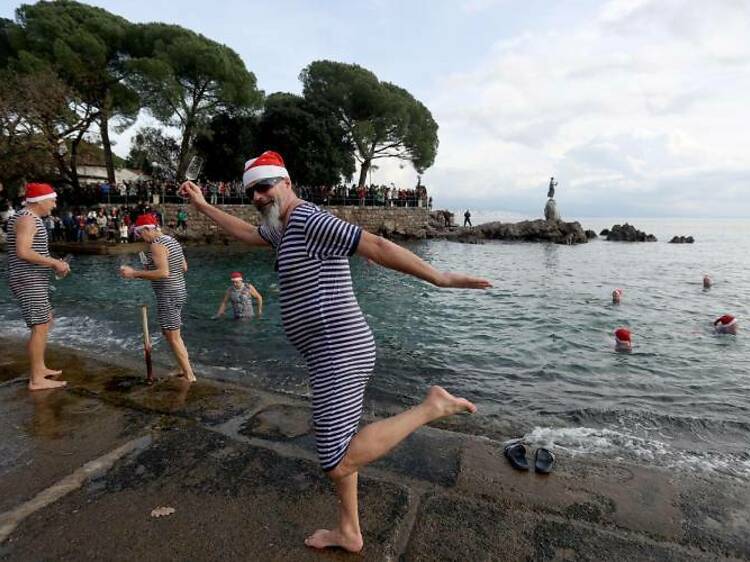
x=270, y=215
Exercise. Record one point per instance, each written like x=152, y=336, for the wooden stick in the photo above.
x=147, y=344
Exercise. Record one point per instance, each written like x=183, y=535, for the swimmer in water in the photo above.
x=726, y=324
x=623, y=342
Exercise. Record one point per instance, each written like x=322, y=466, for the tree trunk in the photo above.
x=363, y=172
x=104, y=131
x=185, y=146
x=74, y=166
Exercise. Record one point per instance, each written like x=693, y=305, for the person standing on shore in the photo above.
x=165, y=268
x=322, y=319
x=29, y=263
x=240, y=294
x=467, y=219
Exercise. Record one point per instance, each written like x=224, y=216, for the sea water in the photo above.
x=535, y=352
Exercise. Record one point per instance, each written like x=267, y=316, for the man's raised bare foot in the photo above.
x=323, y=538
x=445, y=404
x=45, y=384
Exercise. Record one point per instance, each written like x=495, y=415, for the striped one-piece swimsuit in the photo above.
x=29, y=282
x=323, y=321
x=170, y=292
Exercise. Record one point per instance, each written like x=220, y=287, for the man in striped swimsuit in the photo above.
x=323, y=320
x=29, y=263
x=165, y=268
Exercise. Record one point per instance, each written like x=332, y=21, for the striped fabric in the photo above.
x=29, y=282
x=170, y=292
x=323, y=321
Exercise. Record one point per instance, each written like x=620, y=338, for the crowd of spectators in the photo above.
x=118, y=207
x=367, y=196
x=111, y=224
x=232, y=193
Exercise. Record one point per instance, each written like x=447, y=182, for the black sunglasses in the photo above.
x=261, y=186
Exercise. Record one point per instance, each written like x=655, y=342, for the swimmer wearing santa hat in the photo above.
x=623, y=342
x=726, y=324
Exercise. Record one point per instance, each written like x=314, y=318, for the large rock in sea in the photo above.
x=682, y=240
x=550, y=211
x=628, y=233
x=539, y=230
x=440, y=219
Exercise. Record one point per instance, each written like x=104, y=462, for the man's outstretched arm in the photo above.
x=393, y=256
x=233, y=225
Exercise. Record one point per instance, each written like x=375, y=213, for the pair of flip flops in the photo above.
x=544, y=460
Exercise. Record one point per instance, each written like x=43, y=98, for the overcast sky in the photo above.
x=637, y=107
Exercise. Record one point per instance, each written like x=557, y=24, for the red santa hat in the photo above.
x=235, y=275
x=270, y=164
x=622, y=336
x=145, y=221
x=725, y=321
x=36, y=192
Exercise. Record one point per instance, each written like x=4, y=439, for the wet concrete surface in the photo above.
x=232, y=502
x=238, y=466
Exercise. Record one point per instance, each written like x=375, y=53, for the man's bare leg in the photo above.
x=180, y=352
x=374, y=441
x=347, y=534
x=51, y=372
x=36, y=348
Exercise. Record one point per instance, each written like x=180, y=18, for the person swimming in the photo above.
x=707, y=282
x=726, y=324
x=623, y=342
x=616, y=296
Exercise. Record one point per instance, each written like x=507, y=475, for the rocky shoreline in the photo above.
x=540, y=230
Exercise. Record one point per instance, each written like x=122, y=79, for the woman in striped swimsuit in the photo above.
x=165, y=268
x=323, y=320
x=29, y=263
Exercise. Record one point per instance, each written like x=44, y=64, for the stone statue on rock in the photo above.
x=551, y=190
x=550, y=211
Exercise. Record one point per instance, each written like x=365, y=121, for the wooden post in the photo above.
x=147, y=344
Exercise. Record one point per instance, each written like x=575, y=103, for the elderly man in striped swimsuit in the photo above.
x=165, y=268
x=29, y=263
x=323, y=321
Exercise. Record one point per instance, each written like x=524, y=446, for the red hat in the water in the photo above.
x=235, y=275
x=36, y=192
x=622, y=335
x=725, y=321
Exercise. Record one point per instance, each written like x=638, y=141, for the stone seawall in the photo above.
x=396, y=222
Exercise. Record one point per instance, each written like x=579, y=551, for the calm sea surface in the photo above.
x=535, y=352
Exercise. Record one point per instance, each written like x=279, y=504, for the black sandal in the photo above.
x=516, y=454
x=544, y=460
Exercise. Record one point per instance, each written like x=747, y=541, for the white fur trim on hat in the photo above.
x=257, y=173
x=139, y=229
x=38, y=198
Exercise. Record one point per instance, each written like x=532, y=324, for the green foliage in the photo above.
x=86, y=47
x=36, y=120
x=154, y=153
x=380, y=119
x=315, y=147
x=186, y=79
x=226, y=144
